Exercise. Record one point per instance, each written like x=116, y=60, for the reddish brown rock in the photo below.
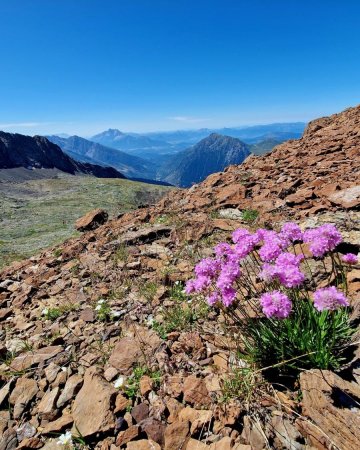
x=128, y=435
x=346, y=198
x=143, y=444
x=154, y=430
x=91, y=220
x=24, y=391
x=140, y=412
x=28, y=359
x=46, y=407
x=195, y=392
x=332, y=425
x=91, y=410
x=58, y=425
x=176, y=435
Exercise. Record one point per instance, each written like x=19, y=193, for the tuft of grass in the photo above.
x=133, y=386
x=52, y=313
x=58, y=252
x=182, y=315
x=56, y=312
x=121, y=254
x=241, y=384
x=249, y=215
x=306, y=339
x=148, y=290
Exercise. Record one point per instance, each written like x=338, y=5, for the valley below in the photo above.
x=39, y=213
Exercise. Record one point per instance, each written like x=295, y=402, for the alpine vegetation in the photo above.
x=283, y=309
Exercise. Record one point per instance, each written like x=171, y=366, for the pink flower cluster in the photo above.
x=276, y=304
x=219, y=277
x=322, y=239
x=329, y=299
x=286, y=270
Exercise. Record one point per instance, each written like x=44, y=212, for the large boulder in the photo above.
x=93, y=219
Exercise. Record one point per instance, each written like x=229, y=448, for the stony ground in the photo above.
x=64, y=370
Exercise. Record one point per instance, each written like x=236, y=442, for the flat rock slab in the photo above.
x=131, y=350
x=144, y=236
x=28, y=359
x=92, y=408
x=347, y=198
x=332, y=404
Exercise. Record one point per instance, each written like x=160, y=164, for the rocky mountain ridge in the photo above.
x=58, y=374
x=19, y=151
x=88, y=151
x=212, y=154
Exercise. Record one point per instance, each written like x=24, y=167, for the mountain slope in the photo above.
x=85, y=150
x=135, y=263
x=210, y=155
x=19, y=151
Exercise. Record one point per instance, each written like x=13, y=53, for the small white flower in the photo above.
x=98, y=307
x=119, y=383
x=101, y=301
x=65, y=438
x=150, y=321
x=45, y=311
x=116, y=313
x=64, y=369
x=177, y=282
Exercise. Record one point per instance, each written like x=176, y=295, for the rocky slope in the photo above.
x=208, y=156
x=58, y=373
x=87, y=151
x=19, y=151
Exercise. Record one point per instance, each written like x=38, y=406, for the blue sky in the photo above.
x=81, y=66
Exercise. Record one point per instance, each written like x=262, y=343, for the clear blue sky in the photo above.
x=81, y=66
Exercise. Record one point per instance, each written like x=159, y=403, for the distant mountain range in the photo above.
x=32, y=153
x=88, y=151
x=158, y=147
x=126, y=141
x=250, y=135
x=177, y=157
x=210, y=155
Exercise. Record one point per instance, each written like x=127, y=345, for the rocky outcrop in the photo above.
x=210, y=155
x=91, y=220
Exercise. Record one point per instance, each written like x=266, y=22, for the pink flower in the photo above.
x=212, y=298
x=222, y=249
x=273, y=245
x=229, y=272
x=291, y=232
x=350, y=258
x=245, y=242
x=228, y=296
x=189, y=287
x=240, y=234
x=275, y=304
x=268, y=272
x=286, y=269
x=207, y=267
x=329, y=299
x=269, y=251
x=322, y=239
